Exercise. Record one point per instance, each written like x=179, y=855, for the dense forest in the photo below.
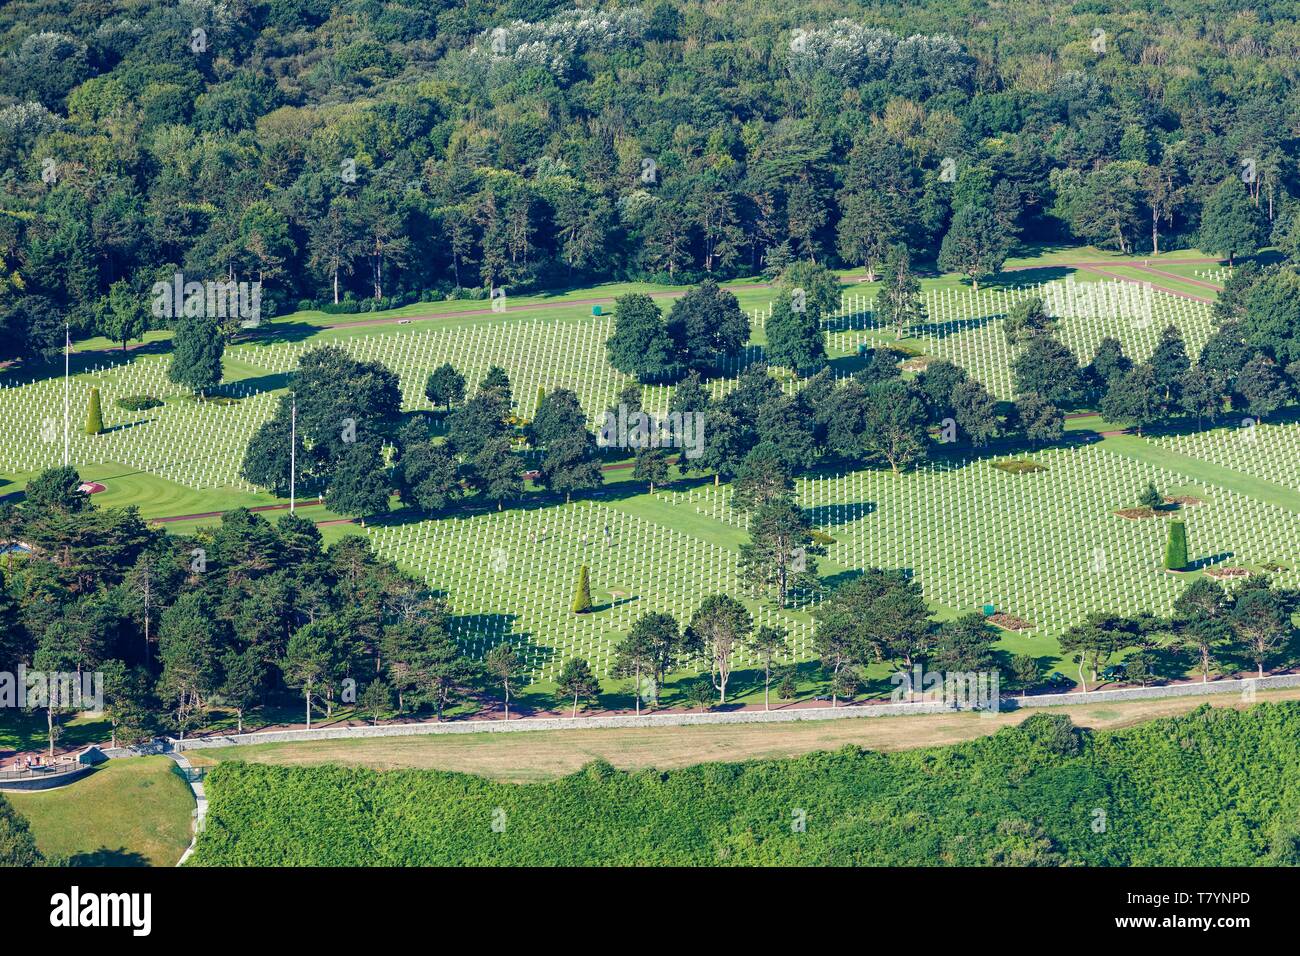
x=358, y=154
x=1213, y=788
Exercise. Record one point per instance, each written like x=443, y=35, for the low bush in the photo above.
x=138, y=403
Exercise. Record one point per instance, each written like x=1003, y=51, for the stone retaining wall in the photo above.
x=1243, y=686
x=46, y=781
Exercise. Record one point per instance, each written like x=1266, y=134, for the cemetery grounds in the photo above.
x=1044, y=547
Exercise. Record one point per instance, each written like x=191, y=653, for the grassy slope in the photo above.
x=1162, y=281
x=542, y=755
x=130, y=812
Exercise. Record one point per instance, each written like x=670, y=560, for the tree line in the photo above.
x=351, y=155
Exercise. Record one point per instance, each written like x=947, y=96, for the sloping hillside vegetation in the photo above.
x=1216, y=787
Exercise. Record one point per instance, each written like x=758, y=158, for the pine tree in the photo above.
x=582, y=593
x=94, y=415
x=1151, y=497
x=1176, y=546
x=899, y=303
x=577, y=681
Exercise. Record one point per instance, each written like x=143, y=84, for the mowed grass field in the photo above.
x=129, y=812
x=531, y=756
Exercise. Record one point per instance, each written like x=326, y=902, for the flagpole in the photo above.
x=293, y=448
x=67, y=350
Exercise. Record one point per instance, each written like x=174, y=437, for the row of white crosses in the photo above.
x=546, y=353
x=514, y=572
x=1271, y=452
x=196, y=444
x=1046, y=547
x=1213, y=275
x=964, y=326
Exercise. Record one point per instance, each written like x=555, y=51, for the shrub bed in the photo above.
x=138, y=403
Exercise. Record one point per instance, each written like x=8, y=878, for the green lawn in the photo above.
x=26, y=730
x=129, y=812
x=1163, y=281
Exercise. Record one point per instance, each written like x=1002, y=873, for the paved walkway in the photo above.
x=200, y=801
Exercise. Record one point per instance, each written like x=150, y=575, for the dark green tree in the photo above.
x=898, y=303
x=1169, y=363
x=1134, y=399
x=197, y=348
x=640, y=344
x=577, y=681
x=762, y=478
x=964, y=644
x=309, y=660
x=779, y=554
x=1026, y=319
x=1047, y=367
x=1040, y=421
x=445, y=386
x=895, y=425
x=359, y=485
x=707, y=325
x=1262, y=386
x=1231, y=224
x=427, y=477
x=976, y=245
x=582, y=593
x=794, y=333
x=495, y=473
x=17, y=845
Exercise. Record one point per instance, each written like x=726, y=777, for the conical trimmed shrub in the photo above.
x=582, y=593
x=94, y=414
